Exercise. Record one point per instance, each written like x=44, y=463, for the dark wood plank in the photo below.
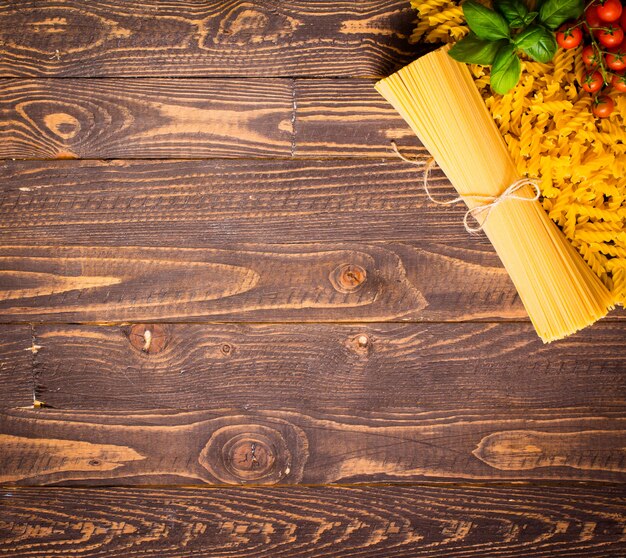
x=17, y=351
x=348, y=118
x=300, y=522
x=447, y=368
x=96, y=241
x=208, y=38
x=323, y=282
x=221, y=202
x=108, y=118
x=117, y=214
x=290, y=282
x=447, y=401
x=191, y=118
x=257, y=446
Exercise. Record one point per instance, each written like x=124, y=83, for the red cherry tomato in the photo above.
x=616, y=58
x=592, y=18
x=590, y=57
x=619, y=82
x=609, y=10
x=592, y=82
x=568, y=36
x=603, y=106
x=611, y=36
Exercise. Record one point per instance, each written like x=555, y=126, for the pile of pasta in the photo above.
x=553, y=137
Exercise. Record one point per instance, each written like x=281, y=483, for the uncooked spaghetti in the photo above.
x=559, y=290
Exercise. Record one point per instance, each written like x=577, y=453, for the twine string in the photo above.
x=480, y=213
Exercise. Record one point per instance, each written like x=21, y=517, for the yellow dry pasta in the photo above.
x=550, y=131
x=561, y=292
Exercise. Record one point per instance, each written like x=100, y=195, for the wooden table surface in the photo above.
x=233, y=325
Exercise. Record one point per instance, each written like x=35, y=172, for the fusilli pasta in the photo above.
x=553, y=136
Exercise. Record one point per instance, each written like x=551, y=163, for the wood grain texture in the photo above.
x=291, y=282
x=17, y=351
x=435, y=368
x=108, y=118
x=348, y=118
x=260, y=283
x=118, y=231
x=259, y=446
x=144, y=240
x=191, y=118
x=463, y=521
x=223, y=202
x=291, y=239
x=209, y=38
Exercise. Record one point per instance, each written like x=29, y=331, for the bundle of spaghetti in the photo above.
x=559, y=290
x=553, y=137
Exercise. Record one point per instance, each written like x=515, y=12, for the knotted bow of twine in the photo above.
x=480, y=213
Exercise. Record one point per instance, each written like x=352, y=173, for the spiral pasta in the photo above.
x=552, y=135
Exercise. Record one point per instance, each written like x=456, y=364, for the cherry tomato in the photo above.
x=592, y=18
x=568, y=36
x=619, y=82
x=592, y=82
x=603, y=106
x=609, y=10
x=590, y=57
x=616, y=58
x=611, y=36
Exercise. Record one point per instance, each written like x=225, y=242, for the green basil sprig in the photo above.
x=498, y=36
x=515, y=12
x=537, y=42
x=478, y=51
x=506, y=69
x=486, y=23
x=555, y=12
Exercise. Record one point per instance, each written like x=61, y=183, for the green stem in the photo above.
x=601, y=66
x=579, y=24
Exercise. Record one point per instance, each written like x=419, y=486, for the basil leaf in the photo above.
x=514, y=11
x=538, y=42
x=555, y=12
x=506, y=70
x=473, y=50
x=486, y=23
x=530, y=17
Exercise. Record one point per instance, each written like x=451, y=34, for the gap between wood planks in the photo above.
x=612, y=317
x=451, y=485
x=34, y=348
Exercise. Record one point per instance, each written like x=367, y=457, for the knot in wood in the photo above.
x=360, y=344
x=348, y=278
x=255, y=453
x=250, y=458
x=362, y=341
x=148, y=338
